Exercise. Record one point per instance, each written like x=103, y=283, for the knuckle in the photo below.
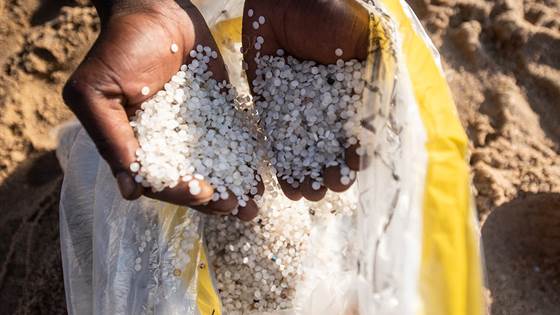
x=74, y=92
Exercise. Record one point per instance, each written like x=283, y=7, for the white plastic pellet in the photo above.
x=338, y=52
x=145, y=90
x=250, y=12
x=224, y=195
x=193, y=126
x=360, y=151
x=339, y=77
x=174, y=48
x=261, y=20
x=256, y=25
x=135, y=167
x=195, y=190
x=316, y=185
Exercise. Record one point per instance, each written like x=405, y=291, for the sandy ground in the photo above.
x=502, y=59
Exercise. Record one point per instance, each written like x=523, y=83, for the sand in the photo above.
x=502, y=60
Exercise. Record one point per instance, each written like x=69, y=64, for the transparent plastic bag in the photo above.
x=149, y=257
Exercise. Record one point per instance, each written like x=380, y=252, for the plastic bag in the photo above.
x=401, y=241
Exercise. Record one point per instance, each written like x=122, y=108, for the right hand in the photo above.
x=133, y=51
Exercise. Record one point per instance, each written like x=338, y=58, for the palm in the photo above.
x=309, y=30
x=134, y=52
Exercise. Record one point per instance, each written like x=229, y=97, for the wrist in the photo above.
x=110, y=8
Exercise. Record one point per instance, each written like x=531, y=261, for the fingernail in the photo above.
x=127, y=186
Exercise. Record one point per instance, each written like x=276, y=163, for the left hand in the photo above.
x=309, y=30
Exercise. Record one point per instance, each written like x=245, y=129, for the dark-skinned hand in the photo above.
x=309, y=30
x=133, y=51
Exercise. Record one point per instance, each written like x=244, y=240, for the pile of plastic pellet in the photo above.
x=309, y=114
x=258, y=264
x=192, y=131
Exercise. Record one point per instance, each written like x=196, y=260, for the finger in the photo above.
x=249, y=211
x=334, y=181
x=191, y=193
x=249, y=37
x=206, y=210
x=259, y=189
x=290, y=192
x=128, y=187
x=355, y=161
x=106, y=122
x=313, y=190
x=223, y=202
x=204, y=37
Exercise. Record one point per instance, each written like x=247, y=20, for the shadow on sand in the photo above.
x=30, y=265
x=522, y=245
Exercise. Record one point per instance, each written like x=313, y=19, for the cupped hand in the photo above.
x=130, y=61
x=309, y=30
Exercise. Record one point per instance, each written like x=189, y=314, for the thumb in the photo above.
x=104, y=118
